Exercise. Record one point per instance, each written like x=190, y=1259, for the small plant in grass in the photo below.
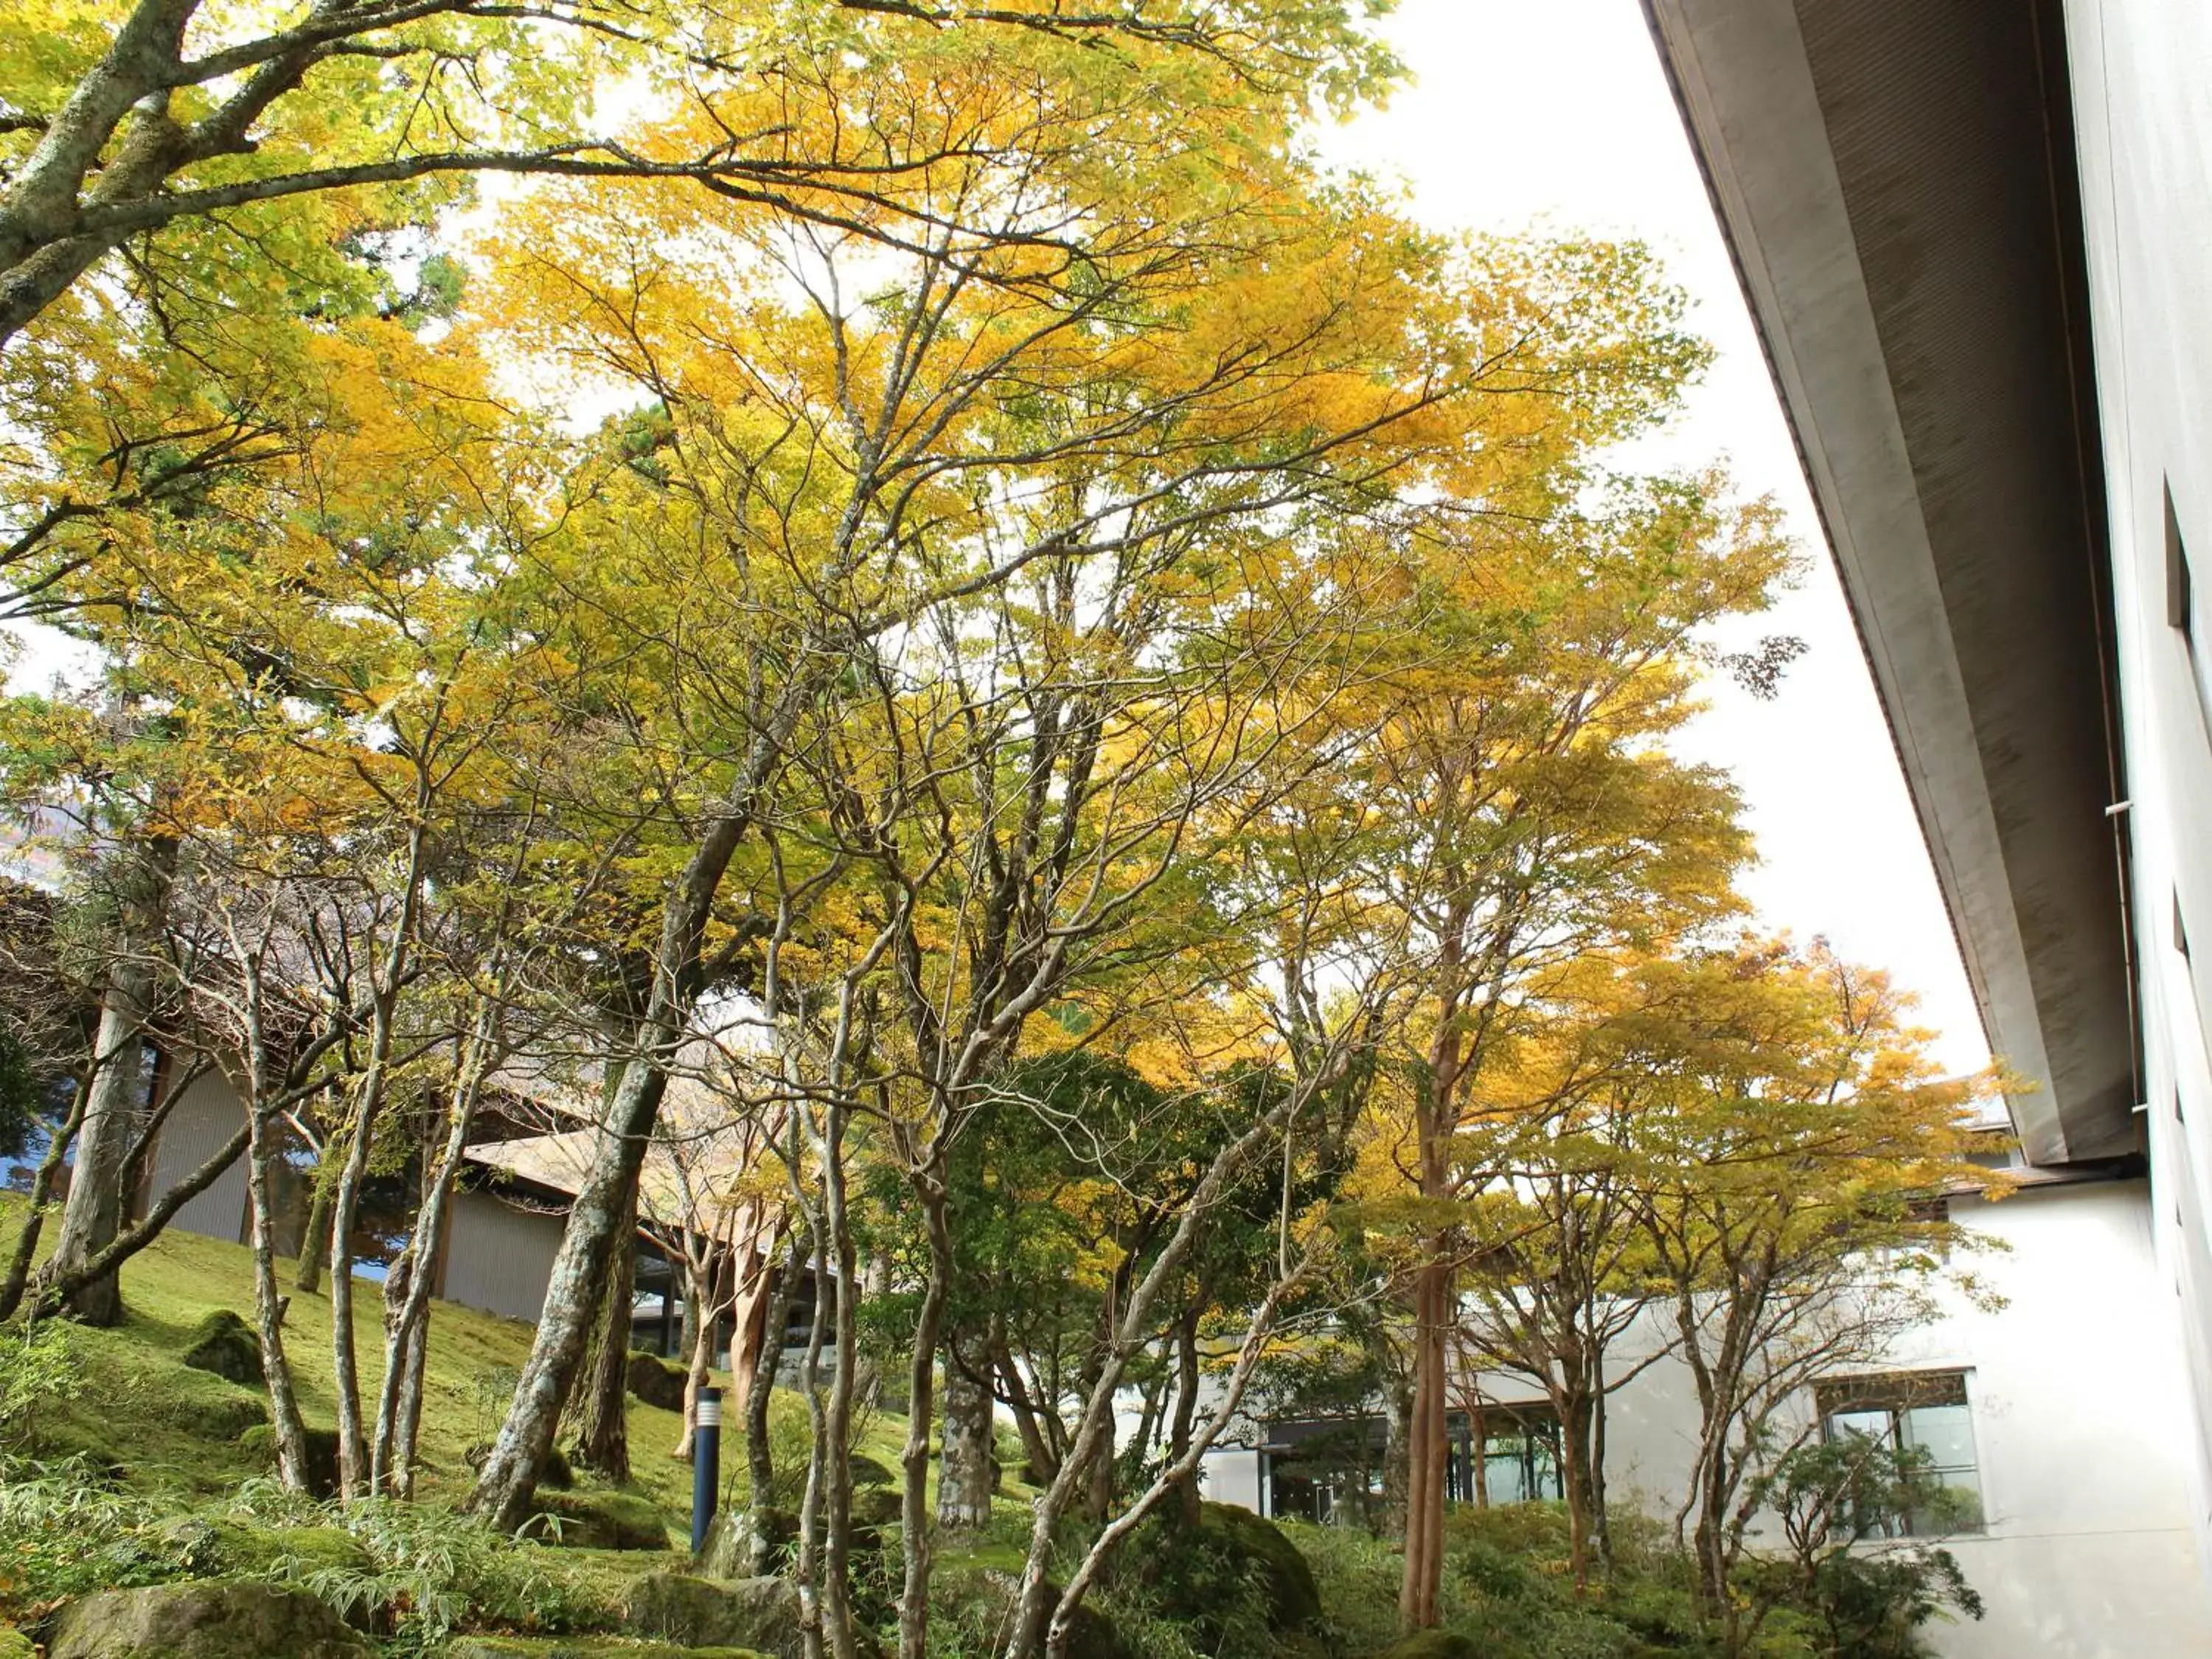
x=425, y=1571
x=64, y=1532
x=36, y=1367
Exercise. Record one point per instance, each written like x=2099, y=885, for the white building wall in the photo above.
x=205, y=1117
x=498, y=1258
x=2079, y=1406
x=2142, y=73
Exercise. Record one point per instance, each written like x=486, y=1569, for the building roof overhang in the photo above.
x=1896, y=181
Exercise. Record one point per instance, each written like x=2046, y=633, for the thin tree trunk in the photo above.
x=399, y=1400
x=509, y=1480
x=407, y=1422
x=42, y=1186
x=1571, y=1405
x=929, y=1183
x=1186, y=1408
x=1427, y=1448
x=1035, y=1606
x=807, y=1571
x=268, y=1312
x=314, y=1241
x=837, y=1452
x=93, y=1213
x=353, y=1444
x=702, y=1286
x=1059, y=1627
x=760, y=1393
x=1397, y=1454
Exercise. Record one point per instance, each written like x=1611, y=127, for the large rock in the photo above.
x=870, y=1471
x=203, y=1621
x=977, y=1602
x=728, y=1553
x=655, y=1381
x=1232, y=1565
x=218, y=1546
x=877, y=1509
x=600, y=1521
x=226, y=1344
x=759, y=1613
x=322, y=1454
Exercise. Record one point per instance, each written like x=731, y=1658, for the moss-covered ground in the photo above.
x=167, y=1427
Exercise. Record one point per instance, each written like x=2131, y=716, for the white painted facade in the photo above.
x=499, y=1254
x=2142, y=81
x=2079, y=1408
x=206, y=1115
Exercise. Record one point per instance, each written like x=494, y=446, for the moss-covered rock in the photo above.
x=1432, y=1644
x=876, y=1508
x=759, y=1613
x=260, y=1441
x=979, y=1602
x=728, y=1553
x=203, y=1621
x=1233, y=1565
x=600, y=1521
x=221, y=1546
x=869, y=1472
x=656, y=1381
x=226, y=1344
x=13, y=1644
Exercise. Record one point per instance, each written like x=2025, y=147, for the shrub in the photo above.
x=1859, y=1603
x=1356, y=1577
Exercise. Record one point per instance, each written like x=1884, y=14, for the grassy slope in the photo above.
x=175, y=1428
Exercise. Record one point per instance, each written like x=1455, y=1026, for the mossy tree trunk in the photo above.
x=603, y=1416
x=407, y=1310
x=314, y=1241
x=508, y=1480
x=93, y=1213
x=42, y=1186
x=963, y=1481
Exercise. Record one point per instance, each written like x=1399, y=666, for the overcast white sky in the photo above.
x=1527, y=115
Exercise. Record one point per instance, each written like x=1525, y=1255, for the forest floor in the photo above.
x=125, y=1470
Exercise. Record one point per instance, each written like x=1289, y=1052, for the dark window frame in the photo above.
x=1897, y=1395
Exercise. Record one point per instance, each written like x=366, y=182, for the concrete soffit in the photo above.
x=1750, y=98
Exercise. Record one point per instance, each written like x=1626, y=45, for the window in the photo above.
x=1328, y=1469
x=1924, y=1414
x=1520, y=1454
x=2181, y=607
